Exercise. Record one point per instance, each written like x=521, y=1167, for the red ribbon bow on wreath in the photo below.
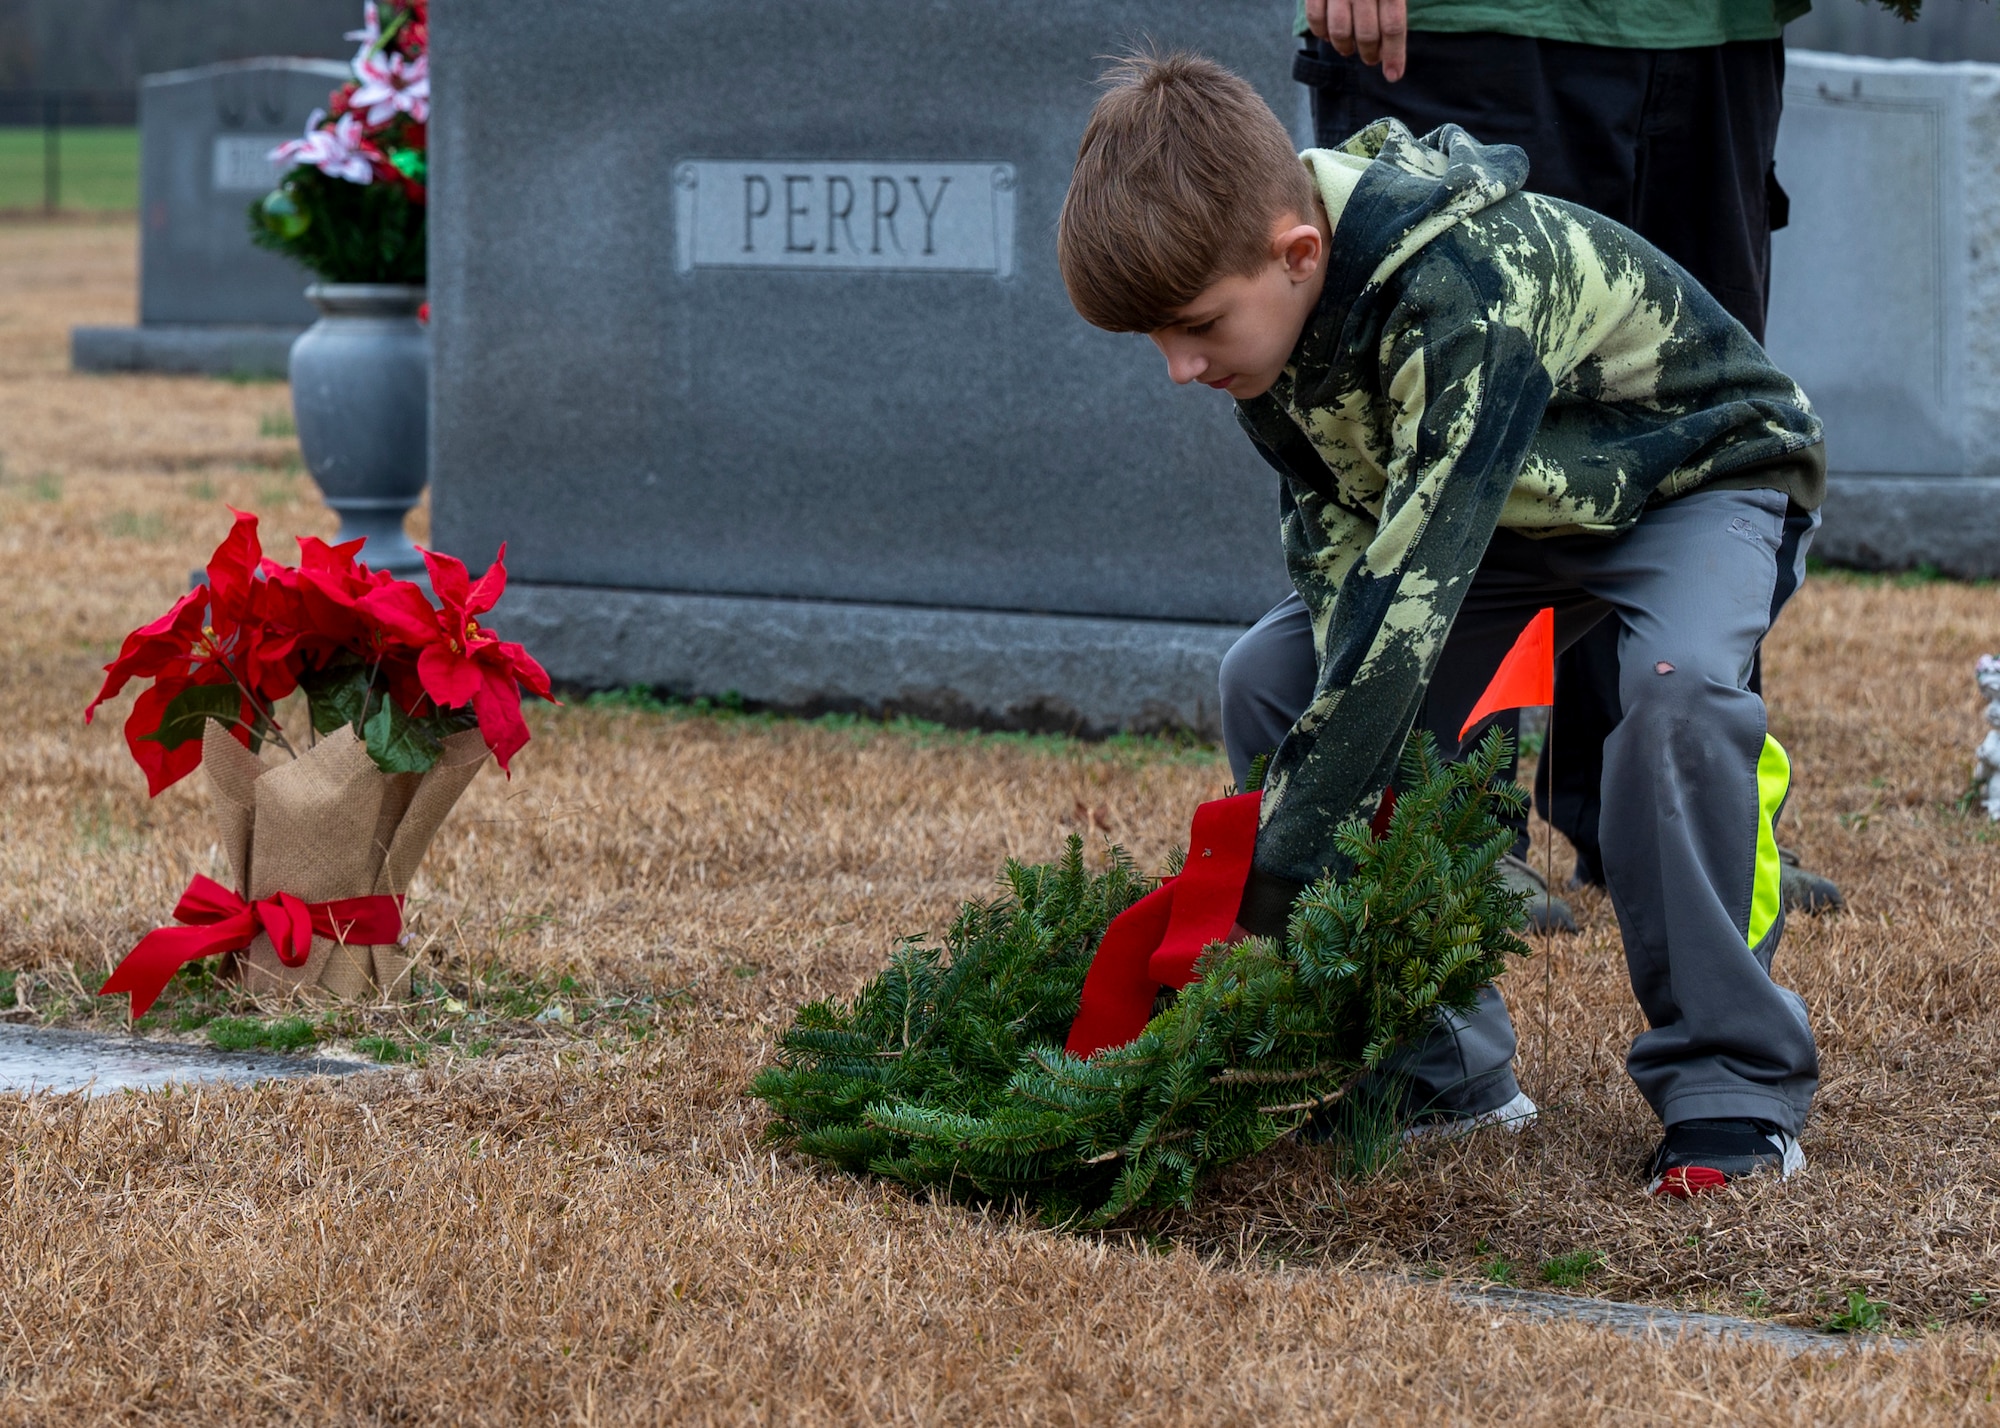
x=220, y=921
x=1157, y=940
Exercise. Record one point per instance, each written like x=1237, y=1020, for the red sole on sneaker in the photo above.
x=1685, y=1180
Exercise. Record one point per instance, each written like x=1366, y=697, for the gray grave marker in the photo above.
x=1885, y=298
x=209, y=300
x=755, y=352
x=36, y=1059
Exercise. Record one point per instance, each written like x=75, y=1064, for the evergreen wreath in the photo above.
x=948, y=1069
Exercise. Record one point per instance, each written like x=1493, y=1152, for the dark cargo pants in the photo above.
x=1692, y=787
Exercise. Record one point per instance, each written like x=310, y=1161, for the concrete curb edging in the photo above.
x=1651, y=1321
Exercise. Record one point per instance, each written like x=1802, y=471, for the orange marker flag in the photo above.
x=1527, y=677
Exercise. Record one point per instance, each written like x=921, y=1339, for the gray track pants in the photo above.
x=1692, y=786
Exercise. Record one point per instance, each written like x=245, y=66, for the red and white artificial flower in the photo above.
x=340, y=150
x=390, y=85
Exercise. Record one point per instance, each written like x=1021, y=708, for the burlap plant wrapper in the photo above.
x=324, y=826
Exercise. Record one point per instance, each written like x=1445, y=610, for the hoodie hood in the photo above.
x=1388, y=193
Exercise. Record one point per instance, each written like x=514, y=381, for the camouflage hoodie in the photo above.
x=1479, y=357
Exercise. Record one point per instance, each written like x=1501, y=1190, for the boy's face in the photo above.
x=1239, y=333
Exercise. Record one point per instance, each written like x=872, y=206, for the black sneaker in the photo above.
x=1804, y=890
x=1698, y=1156
x=1546, y=912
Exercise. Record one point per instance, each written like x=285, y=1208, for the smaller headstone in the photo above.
x=35, y=1059
x=210, y=300
x=1885, y=297
x=1986, y=761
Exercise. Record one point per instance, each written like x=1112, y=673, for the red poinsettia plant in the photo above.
x=369, y=650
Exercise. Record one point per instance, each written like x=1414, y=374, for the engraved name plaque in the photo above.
x=242, y=164
x=879, y=217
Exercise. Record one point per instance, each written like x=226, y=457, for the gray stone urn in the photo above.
x=361, y=396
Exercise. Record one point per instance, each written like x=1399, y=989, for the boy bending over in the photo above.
x=1484, y=402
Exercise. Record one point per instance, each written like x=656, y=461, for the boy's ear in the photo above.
x=1301, y=247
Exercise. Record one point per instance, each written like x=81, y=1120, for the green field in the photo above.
x=99, y=169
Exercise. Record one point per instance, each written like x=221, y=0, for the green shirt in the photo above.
x=1627, y=24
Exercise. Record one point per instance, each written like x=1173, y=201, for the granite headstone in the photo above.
x=1885, y=302
x=209, y=300
x=753, y=348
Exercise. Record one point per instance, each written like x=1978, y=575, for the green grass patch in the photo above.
x=249, y=1033
x=1569, y=1271
x=1493, y=1267
x=277, y=424
x=1497, y=1270
x=1861, y=1316
x=384, y=1048
x=98, y=169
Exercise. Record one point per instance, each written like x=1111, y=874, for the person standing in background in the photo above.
x=1659, y=114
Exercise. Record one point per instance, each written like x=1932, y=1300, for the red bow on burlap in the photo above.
x=1156, y=941
x=220, y=921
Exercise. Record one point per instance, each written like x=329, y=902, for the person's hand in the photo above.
x=1378, y=29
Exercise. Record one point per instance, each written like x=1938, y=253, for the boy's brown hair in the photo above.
x=1182, y=171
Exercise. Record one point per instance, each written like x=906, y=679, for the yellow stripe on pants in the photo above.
x=1774, y=780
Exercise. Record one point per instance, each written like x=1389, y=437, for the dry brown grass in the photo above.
x=595, y=1234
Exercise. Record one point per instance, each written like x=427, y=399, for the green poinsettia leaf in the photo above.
x=336, y=697
x=189, y=711
x=441, y=724
x=397, y=743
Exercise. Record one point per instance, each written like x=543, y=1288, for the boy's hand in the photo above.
x=1377, y=28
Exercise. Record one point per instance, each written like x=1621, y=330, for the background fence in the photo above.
x=69, y=150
